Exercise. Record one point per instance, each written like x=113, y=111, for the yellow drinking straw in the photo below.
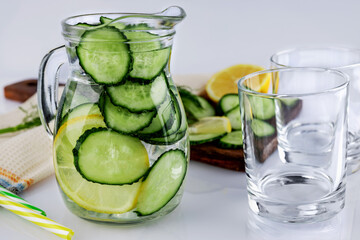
x=16, y=198
x=35, y=217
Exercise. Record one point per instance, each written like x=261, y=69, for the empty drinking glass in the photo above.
x=346, y=60
x=295, y=143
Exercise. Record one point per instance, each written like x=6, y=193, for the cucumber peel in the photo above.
x=205, y=137
x=139, y=97
x=232, y=140
x=121, y=119
x=104, y=56
x=107, y=157
x=162, y=182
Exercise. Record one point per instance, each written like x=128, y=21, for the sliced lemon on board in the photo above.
x=210, y=125
x=225, y=81
x=91, y=196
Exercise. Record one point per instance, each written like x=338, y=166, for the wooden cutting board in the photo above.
x=209, y=152
x=225, y=158
x=20, y=91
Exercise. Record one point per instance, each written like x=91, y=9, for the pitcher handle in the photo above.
x=47, y=87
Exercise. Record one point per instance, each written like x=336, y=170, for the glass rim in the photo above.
x=162, y=24
x=293, y=69
x=155, y=15
x=300, y=49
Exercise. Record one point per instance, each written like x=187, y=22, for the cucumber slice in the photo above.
x=76, y=93
x=194, y=111
x=163, y=182
x=138, y=97
x=104, y=56
x=139, y=26
x=262, y=108
x=147, y=65
x=149, y=56
x=185, y=92
x=227, y=102
x=121, y=119
x=69, y=133
x=179, y=120
x=107, y=157
x=90, y=196
x=196, y=107
x=167, y=140
x=162, y=121
x=204, y=138
x=84, y=109
x=106, y=20
x=289, y=102
x=232, y=140
x=175, y=132
x=234, y=117
x=81, y=24
x=262, y=128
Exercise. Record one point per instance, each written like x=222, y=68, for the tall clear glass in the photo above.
x=295, y=143
x=121, y=146
x=346, y=60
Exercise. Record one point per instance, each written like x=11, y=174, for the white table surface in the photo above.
x=216, y=34
x=214, y=206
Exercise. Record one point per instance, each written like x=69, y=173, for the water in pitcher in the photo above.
x=121, y=147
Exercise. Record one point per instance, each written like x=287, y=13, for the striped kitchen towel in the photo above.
x=25, y=156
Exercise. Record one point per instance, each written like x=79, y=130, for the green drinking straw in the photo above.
x=16, y=198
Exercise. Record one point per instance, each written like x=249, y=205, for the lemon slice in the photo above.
x=211, y=125
x=97, y=197
x=225, y=81
x=91, y=196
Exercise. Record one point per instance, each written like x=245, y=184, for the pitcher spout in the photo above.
x=165, y=19
x=172, y=15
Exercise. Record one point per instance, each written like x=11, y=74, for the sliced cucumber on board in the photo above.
x=107, y=157
x=262, y=108
x=104, y=55
x=232, y=140
x=234, y=117
x=290, y=102
x=261, y=128
x=185, y=93
x=227, y=102
x=206, y=109
x=204, y=138
x=162, y=182
x=196, y=107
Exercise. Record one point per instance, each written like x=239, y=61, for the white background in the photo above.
x=215, y=35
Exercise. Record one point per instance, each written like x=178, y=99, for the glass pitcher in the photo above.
x=121, y=146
